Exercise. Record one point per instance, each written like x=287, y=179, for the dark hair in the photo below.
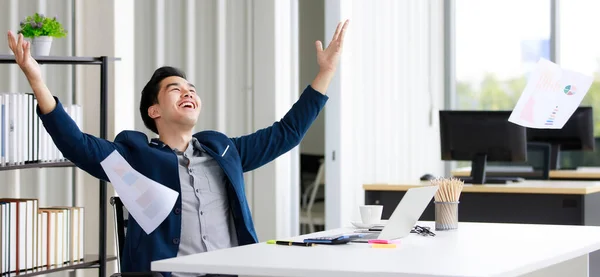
x=150, y=93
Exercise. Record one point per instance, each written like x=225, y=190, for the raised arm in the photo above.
x=31, y=68
x=84, y=150
x=266, y=144
x=269, y=143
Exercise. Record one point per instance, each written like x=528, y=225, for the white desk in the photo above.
x=475, y=249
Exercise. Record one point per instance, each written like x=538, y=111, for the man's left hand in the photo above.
x=329, y=58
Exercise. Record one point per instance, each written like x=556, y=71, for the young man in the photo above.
x=205, y=168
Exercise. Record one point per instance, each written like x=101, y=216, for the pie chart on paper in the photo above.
x=569, y=90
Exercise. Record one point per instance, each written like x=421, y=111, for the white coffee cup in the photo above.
x=371, y=214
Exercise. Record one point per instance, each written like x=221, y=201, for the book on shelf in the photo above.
x=33, y=238
x=23, y=138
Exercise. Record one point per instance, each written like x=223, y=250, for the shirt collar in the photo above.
x=157, y=142
x=195, y=143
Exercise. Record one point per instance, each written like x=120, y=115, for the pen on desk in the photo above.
x=290, y=243
x=293, y=243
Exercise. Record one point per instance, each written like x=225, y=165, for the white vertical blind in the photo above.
x=209, y=41
x=190, y=37
x=221, y=65
x=402, y=143
x=388, y=110
x=112, y=24
x=159, y=32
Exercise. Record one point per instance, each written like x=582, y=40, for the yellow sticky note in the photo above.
x=377, y=245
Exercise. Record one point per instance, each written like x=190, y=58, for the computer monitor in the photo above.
x=576, y=135
x=481, y=136
x=577, y=159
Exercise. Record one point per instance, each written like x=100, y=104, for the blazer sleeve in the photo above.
x=84, y=150
x=264, y=145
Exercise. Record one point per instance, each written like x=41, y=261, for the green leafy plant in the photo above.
x=38, y=25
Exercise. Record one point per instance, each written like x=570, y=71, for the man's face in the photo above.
x=177, y=103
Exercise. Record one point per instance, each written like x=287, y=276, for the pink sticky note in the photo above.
x=383, y=241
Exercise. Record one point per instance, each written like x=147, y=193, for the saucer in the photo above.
x=361, y=225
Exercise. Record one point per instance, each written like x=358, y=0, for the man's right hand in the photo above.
x=32, y=71
x=21, y=50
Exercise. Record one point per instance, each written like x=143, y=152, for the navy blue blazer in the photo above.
x=158, y=162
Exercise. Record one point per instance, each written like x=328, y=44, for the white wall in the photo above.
x=275, y=185
x=382, y=116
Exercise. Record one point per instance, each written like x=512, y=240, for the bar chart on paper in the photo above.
x=148, y=202
x=551, y=96
x=552, y=117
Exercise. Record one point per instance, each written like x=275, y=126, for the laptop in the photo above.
x=405, y=216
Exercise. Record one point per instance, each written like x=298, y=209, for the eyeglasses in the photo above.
x=423, y=231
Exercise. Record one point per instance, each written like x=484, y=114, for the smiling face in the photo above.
x=178, y=103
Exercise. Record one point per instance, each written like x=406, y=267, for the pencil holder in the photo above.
x=446, y=215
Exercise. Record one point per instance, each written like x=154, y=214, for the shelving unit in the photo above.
x=96, y=261
x=89, y=261
x=37, y=165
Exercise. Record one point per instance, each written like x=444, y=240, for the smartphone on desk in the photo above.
x=366, y=231
x=376, y=229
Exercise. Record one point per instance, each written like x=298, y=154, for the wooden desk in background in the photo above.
x=590, y=173
x=531, y=201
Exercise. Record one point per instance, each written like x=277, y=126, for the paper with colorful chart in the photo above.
x=551, y=96
x=147, y=201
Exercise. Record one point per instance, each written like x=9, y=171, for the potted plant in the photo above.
x=41, y=30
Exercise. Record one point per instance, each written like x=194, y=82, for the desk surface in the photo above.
x=580, y=173
x=475, y=249
x=527, y=186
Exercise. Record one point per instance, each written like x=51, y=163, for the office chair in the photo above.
x=121, y=217
x=312, y=213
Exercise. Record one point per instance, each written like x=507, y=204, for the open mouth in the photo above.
x=187, y=105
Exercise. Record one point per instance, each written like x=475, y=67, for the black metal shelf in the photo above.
x=102, y=257
x=37, y=165
x=8, y=59
x=89, y=261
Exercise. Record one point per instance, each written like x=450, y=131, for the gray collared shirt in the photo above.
x=206, y=221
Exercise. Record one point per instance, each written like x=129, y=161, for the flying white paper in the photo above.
x=147, y=201
x=551, y=96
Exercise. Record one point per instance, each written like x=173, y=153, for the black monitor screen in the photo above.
x=576, y=134
x=466, y=134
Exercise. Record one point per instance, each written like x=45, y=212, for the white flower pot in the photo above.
x=40, y=46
